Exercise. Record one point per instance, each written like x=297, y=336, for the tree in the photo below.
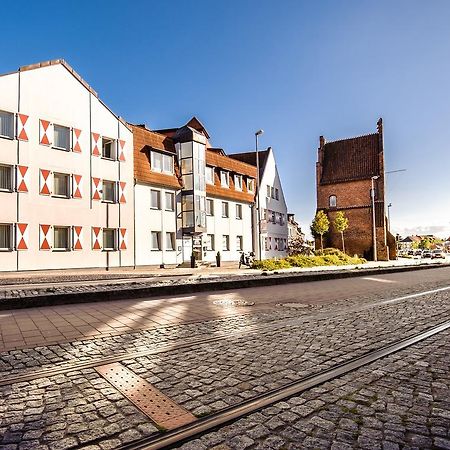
x=320, y=225
x=341, y=224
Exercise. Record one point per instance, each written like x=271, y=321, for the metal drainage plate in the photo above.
x=232, y=302
x=160, y=408
x=293, y=305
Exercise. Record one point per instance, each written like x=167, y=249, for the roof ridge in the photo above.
x=351, y=138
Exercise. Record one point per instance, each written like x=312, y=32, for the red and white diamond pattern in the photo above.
x=22, y=236
x=96, y=189
x=96, y=238
x=45, y=132
x=122, y=198
x=122, y=238
x=76, y=186
x=95, y=144
x=77, y=244
x=121, y=150
x=22, y=127
x=45, y=237
x=44, y=182
x=22, y=178
x=76, y=147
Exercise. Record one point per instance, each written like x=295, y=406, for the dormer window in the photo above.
x=224, y=179
x=250, y=185
x=161, y=163
x=332, y=201
x=238, y=182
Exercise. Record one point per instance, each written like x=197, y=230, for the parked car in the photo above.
x=437, y=253
x=426, y=254
x=410, y=252
x=418, y=253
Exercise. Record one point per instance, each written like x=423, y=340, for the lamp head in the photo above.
x=259, y=132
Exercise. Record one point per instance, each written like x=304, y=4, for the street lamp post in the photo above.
x=258, y=215
x=389, y=217
x=374, y=229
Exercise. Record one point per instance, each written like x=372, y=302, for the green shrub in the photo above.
x=329, y=257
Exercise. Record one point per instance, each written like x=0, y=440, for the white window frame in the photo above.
x=250, y=185
x=226, y=241
x=268, y=191
x=158, y=238
x=158, y=207
x=68, y=234
x=10, y=232
x=114, y=186
x=5, y=136
x=227, y=210
x=166, y=158
x=211, y=242
x=115, y=246
x=170, y=195
x=224, y=179
x=239, y=208
x=11, y=178
x=210, y=201
x=209, y=170
x=67, y=175
x=240, y=240
x=238, y=182
x=170, y=237
x=68, y=137
x=113, y=156
x=332, y=201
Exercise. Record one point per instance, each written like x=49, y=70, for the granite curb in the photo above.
x=38, y=299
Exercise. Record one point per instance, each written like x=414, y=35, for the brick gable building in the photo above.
x=344, y=171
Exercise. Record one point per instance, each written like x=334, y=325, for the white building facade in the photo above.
x=66, y=174
x=273, y=239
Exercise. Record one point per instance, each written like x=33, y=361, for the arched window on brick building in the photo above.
x=332, y=202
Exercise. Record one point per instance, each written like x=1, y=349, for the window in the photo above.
x=170, y=241
x=266, y=243
x=332, y=201
x=209, y=207
x=251, y=185
x=61, y=182
x=61, y=137
x=225, y=242
x=5, y=236
x=274, y=217
x=167, y=164
x=6, y=124
x=161, y=162
x=156, y=240
x=6, y=178
x=282, y=219
x=224, y=179
x=209, y=175
x=268, y=191
x=276, y=194
x=239, y=243
x=108, y=148
x=238, y=211
x=61, y=238
x=272, y=192
x=109, y=239
x=109, y=191
x=238, y=182
x=155, y=199
x=209, y=242
x=224, y=209
x=170, y=201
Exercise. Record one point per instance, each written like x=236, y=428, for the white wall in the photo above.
x=52, y=93
x=271, y=177
x=148, y=220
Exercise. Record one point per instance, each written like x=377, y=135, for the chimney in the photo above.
x=322, y=141
x=380, y=126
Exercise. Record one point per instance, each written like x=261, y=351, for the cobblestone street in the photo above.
x=206, y=365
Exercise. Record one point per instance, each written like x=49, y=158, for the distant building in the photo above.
x=409, y=242
x=344, y=170
x=273, y=208
x=294, y=229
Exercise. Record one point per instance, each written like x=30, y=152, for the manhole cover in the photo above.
x=231, y=302
x=293, y=305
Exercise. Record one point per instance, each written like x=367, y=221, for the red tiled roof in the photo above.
x=351, y=159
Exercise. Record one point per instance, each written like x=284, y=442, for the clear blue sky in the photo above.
x=296, y=69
